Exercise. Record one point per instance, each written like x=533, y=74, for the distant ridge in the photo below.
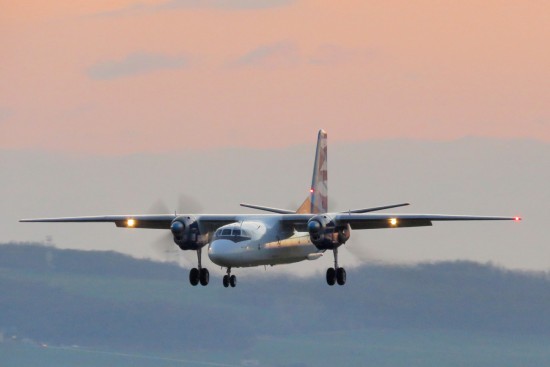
x=104, y=298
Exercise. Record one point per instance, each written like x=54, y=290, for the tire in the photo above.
x=194, y=276
x=341, y=276
x=204, y=276
x=331, y=276
x=233, y=281
x=226, y=281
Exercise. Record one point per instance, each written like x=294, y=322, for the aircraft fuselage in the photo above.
x=252, y=243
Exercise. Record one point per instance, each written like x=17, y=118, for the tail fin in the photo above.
x=317, y=202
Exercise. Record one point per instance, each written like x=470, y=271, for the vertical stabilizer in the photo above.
x=319, y=188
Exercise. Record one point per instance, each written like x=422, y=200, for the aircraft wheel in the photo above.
x=331, y=276
x=194, y=276
x=204, y=276
x=226, y=281
x=233, y=281
x=341, y=276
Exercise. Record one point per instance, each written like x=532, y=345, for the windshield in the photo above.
x=233, y=234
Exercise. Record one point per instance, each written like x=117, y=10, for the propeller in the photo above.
x=164, y=245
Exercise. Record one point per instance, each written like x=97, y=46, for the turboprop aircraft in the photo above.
x=280, y=237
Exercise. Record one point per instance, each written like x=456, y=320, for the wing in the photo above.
x=373, y=221
x=207, y=223
x=156, y=221
x=210, y=222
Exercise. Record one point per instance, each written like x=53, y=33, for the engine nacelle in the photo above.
x=186, y=232
x=325, y=234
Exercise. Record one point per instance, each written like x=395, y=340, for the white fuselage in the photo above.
x=253, y=243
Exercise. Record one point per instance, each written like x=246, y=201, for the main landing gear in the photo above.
x=336, y=274
x=229, y=280
x=200, y=274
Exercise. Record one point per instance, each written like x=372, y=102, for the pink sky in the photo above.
x=112, y=77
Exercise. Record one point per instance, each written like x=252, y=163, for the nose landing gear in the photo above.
x=336, y=274
x=229, y=280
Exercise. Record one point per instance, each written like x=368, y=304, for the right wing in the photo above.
x=156, y=221
x=207, y=222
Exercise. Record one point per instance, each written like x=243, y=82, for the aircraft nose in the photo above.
x=221, y=251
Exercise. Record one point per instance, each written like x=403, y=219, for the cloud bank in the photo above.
x=135, y=64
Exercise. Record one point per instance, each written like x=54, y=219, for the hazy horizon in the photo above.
x=476, y=176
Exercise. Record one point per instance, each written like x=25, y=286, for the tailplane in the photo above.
x=317, y=200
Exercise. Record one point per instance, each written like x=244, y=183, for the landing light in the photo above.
x=131, y=222
x=393, y=221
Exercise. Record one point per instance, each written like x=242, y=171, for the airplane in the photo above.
x=280, y=237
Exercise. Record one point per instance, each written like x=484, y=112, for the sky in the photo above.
x=119, y=77
x=111, y=107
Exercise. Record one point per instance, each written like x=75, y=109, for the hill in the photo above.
x=109, y=300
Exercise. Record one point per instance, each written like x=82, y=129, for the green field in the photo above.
x=354, y=348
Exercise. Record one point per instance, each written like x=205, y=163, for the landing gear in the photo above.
x=341, y=276
x=200, y=274
x=336, y=274
x=204, y=276
x=331, y=276
x=194, y=276
x=229, y=280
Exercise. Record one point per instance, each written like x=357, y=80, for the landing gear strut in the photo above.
x=336, y=274
x=200, y=274
x=229, y=280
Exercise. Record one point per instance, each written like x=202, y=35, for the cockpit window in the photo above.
x=233, y=234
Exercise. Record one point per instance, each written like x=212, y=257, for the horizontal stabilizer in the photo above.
x=375, y=209
x=268, y=209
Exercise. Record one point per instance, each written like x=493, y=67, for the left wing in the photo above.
x=373, y=221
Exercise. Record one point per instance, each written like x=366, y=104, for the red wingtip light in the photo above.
x=311, y=190
x=517, y=219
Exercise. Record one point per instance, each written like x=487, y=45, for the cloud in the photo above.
x=331, y=55
x=284, y=54
x=280, y=54
x=228, y=5
x=135, y=64
x=225, y=4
